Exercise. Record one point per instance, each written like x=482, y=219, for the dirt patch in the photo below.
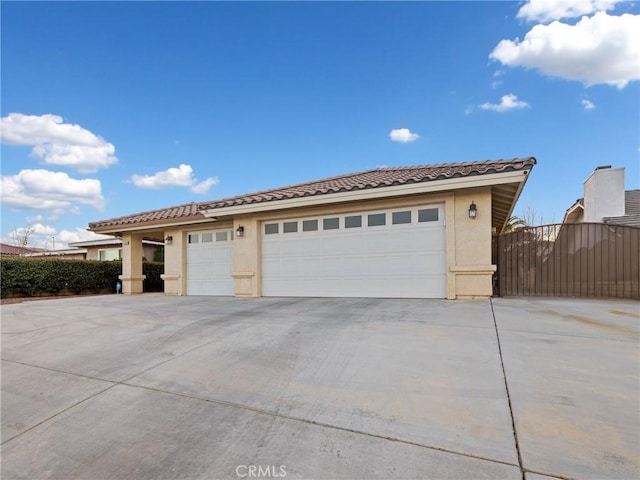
x=595, y=323
x=624, y=314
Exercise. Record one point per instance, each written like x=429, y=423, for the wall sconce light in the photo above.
x=168, y=240
x=240, y=231
x=473, y=210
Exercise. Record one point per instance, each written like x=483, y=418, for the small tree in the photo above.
x=21, y=236
x=532, y=217
x=515, y=223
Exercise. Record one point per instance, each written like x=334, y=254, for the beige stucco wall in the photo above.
x=472, y=271
x=175, y=263
x=469, y=269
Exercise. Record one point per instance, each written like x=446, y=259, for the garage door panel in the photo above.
x=399, y=261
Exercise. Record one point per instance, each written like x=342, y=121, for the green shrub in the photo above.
x=35, y=277
x=153, y=282
x=158, y=255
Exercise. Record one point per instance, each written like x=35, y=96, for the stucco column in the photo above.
x=132, y=254
x=246, y=258
x=174, y=262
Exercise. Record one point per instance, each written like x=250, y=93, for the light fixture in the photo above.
x=473, y=210
x=240, y=231
x=168, y=240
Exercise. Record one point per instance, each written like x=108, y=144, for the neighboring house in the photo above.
x=16, y=251
x=605, y=200
x=111, y=249
x=103, y=249
x=59, y=254
x=422, y=232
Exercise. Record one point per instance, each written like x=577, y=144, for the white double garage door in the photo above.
x=399, y=253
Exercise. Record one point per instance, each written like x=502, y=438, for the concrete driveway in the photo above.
x=159, y=387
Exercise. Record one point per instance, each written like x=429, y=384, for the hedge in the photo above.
x=31, y=277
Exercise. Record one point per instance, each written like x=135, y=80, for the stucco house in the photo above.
x=605, y=200
x=420, y=231
x=106, y=249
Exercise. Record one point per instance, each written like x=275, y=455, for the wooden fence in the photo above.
x=573, y=260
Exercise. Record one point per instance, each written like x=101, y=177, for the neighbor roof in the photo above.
x=631, y=210
x=377, y=178
x=6, y=249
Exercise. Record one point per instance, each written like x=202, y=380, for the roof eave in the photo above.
x=149, y=225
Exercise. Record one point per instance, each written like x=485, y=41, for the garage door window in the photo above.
x=194, y=238
x=290, y=227
x=271, y=228
x=309, y=225
x=376, y=219
x=398, y=218
x=221, y=236
x=331, y=223
x=354, y=221
x=207, y=237
x=428, y=215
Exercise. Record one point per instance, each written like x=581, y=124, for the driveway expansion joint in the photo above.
x=506, y=386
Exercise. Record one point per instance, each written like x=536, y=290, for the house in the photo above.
x=605, y=200
x=421, y=232
x=59, y=254
x=105, y=249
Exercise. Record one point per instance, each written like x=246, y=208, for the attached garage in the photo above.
x=420, y=231
x=398, y=253
x=210, y=262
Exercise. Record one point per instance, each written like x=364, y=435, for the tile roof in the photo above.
x=6, y=249
x=377, y=178
x=186, y=211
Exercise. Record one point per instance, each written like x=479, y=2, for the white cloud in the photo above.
x=41, y=229
x=42, y=189
x=547, y=10
x=204, y=186
x=598, y=49
x=35, y=219
x=507, y=102
x=79, y=235
x=174, y=177
x=403, y=135
x=588, y=105
x=57, y=143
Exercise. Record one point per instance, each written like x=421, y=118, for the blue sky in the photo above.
x=115, y=108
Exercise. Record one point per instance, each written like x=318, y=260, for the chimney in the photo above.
x=604, y=194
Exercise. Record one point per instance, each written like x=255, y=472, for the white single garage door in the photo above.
x=399, y=253
x=209, y=263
